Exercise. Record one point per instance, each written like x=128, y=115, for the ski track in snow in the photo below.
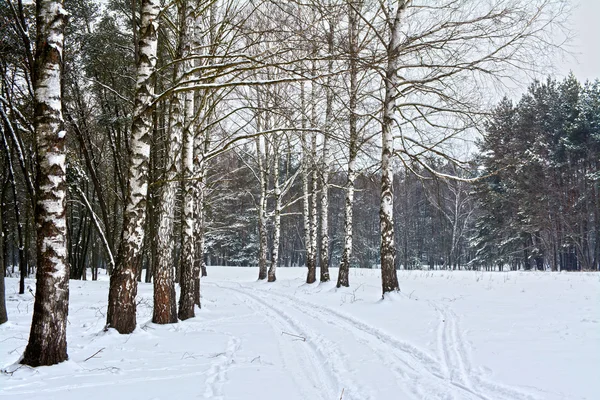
x=420, y=375
x=457, y=360
x=310, y=348
x=323, y=382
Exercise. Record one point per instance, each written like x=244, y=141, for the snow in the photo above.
x=448, y=335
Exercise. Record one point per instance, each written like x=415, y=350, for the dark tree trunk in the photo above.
x=18, y=219
x=3, y=314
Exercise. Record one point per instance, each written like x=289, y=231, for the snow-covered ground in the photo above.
x=448, y=335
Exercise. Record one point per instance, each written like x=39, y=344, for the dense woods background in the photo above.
x=535, y=207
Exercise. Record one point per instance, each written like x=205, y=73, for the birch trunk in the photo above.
x=165, y=302
x=389, y=278
x=187, y=283
x=47, y=339
x=201, y=146
x=324, y=261
x=199, y=265
x=325, y=161
x=261, y=160
x=189, y=274
x=277, y=217
x=343, y=278
x=123, y=286
x=314, y=214
x=311, y=273
x=262, y=209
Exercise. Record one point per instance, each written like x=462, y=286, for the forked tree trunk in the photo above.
x=48, y=336
x=123, y=285
x=189, y=274
x=389, y=278
x=343, y=275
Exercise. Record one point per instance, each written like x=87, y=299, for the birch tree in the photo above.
x=354, y=8
x=121, y=314
x=389, y=278
x=165, y=306
x=272, y=275
x=262, y=166
x=428, y=96
x=314, y=164
x=189, y=275
x=47, y=343
x=331, y=22
x=311, y=276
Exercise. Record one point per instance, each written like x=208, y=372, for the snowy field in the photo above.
x=448, y=335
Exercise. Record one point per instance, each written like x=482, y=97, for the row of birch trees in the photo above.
x=117, y=116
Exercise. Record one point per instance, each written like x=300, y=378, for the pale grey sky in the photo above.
x=586, y=45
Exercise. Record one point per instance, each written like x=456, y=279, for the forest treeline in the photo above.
x=528, y=198
x=142, y=135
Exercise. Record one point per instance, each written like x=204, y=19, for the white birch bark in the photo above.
x=123, y=285
x=277, y=215
x=262, y=205
x=389, y=278
x=201, y=146
x=343, y=275
x=165, y=303
x=188, y=276
x=47, y=339
x=314, y=214
x=305, y=166
x=325, y=159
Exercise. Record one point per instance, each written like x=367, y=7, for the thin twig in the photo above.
x=297, y=336
x=93, y=355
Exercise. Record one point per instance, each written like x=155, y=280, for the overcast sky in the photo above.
x=586, y=46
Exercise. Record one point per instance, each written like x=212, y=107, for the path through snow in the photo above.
x=288, y=340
